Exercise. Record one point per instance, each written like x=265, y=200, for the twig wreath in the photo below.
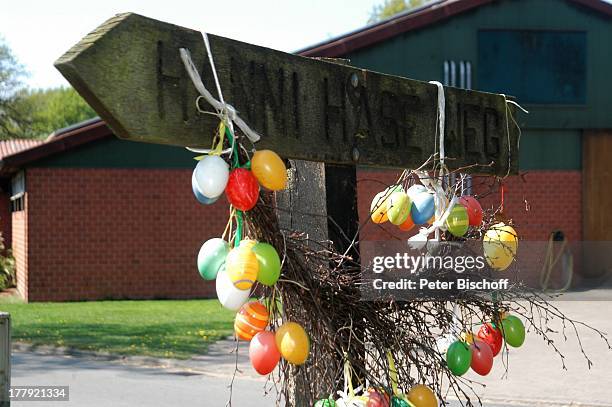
x=310, y=330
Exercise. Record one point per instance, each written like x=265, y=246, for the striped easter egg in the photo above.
x=242, y=267
x=250, y=320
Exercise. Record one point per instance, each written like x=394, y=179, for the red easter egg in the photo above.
x=473, y=208
x=492, y=337
x=375, y=399
x=482, y=358
x=242, y=189
x=263, y=352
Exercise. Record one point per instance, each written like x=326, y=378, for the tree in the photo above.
x=12, y=119
x=392, y=7
x=52, y=109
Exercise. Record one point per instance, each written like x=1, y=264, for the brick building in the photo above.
x=89, y=216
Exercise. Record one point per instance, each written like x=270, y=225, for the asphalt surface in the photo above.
x=533, y=375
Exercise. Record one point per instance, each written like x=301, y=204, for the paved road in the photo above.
x=102, y=383
x=535, y=377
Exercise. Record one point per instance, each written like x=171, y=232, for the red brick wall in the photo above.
x=19, y=245
x=116, y=233
x=538, y=202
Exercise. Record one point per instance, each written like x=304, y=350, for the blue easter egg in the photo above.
x=423, y=208
x=415, y=190
x=199, y=196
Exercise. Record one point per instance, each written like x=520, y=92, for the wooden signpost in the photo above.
x=332, y=115
x=129, y=70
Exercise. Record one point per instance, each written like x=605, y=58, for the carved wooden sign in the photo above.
x=129, y=70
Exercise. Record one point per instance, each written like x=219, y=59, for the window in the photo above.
x=535, y=66
x=18, y=192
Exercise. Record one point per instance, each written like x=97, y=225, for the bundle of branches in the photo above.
x=320, y=289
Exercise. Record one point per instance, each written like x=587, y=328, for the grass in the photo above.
x=175, y=329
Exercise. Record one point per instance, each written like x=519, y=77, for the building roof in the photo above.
x=14, y=146
x=16, y=153
x=414, y=19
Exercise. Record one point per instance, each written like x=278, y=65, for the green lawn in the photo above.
x=176, y=329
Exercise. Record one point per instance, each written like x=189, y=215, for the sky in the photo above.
x=40, y=31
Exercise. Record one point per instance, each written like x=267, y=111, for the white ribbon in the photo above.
x=440, y=118
x=442, y=212
x=224, y=110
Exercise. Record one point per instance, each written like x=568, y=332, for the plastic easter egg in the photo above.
x=398, y=207
x=422, y=396
x=458, y=222
x=378, y=207
x=269, y=263
x=499, y=245
x=415, y=190
x=467, y=337
x=492, y=337
x=242, y=189
x=242, y=267
x=229, y=296
x=482, y=357
x=250, y=320
x=198, y=194
x=293, y=343
x=474, y=209
x=423, y=208
x=326, y=403
x=269, y=169
x=459, y=358
x=513, y=331
x=212, y=257
x=263, y=352
x=400, y=402
x=377, y=399
x=248, y=243
x=211, y=174
x=408, y=224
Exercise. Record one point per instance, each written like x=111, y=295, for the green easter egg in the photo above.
x=513, y=330
x=269, y=263
x=458, y=221
x=212, y=257
x=398, y=207
x=459, y=358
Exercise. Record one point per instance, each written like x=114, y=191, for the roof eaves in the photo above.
x=71, y=138
x=413, y=20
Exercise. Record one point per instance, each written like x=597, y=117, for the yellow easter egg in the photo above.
x=500, y=244
x=380, y=203
x=293, y=343
x=242, y=267
x=269, y=169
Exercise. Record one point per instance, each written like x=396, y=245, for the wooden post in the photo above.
x=5, y=359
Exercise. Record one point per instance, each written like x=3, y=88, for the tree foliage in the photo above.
x=389, y=8
x=26, y=113
x=52, y=109
x=12, y=120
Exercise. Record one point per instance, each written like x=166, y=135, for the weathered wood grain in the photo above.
x=130, y=72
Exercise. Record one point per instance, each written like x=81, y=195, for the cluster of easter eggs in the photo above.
x=416, y=206
x=478, y=352
x=237, y=269
x=266, y=348
x=418, y=396
x=212, y=176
